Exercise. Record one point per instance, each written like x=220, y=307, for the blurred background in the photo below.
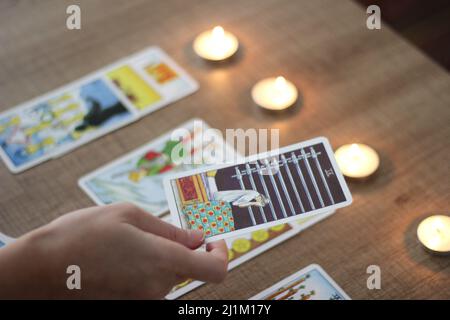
x=426, y=24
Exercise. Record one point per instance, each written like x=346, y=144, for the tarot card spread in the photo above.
x=269, y=189
x=88, y=108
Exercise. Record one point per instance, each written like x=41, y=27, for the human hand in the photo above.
x=122, y=251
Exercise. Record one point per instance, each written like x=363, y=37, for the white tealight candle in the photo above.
x=216, y=44
x=274, y=93
x=434, y=233
x=357, y=160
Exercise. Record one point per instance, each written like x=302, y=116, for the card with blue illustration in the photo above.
x=310, y=283
x=37, y=131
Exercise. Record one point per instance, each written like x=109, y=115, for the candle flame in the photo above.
x=355, y=148
x=280, y=82
x=218, y=32
x=434, y=233
x=356, y=155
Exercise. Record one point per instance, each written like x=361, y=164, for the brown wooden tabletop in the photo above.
x=358, y=85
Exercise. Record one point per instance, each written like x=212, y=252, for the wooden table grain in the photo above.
x=357, y=85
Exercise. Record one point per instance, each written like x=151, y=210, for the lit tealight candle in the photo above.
x=274, y=93
x=216, y=44
x=357, y=160
x=434, y=234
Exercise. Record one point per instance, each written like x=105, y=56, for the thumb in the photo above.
x=189, y=238
x=148, y=223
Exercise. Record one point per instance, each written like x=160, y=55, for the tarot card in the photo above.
x=265, y=190
x=137, y=176
x=57, y=122
x=150, y=80
x=246, y=247
x=310, y=283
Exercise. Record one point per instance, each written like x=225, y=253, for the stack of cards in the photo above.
x=95, y=105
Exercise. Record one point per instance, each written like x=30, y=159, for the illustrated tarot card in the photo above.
x=262, y=191
x=42, y=129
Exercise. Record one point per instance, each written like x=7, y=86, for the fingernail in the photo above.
x=203, y=235
x=196, y=233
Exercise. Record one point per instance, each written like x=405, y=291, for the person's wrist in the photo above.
x=42, y=265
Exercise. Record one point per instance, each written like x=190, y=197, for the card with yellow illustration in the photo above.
x=245, y=247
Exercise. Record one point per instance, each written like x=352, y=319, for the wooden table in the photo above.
x=357, y=85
